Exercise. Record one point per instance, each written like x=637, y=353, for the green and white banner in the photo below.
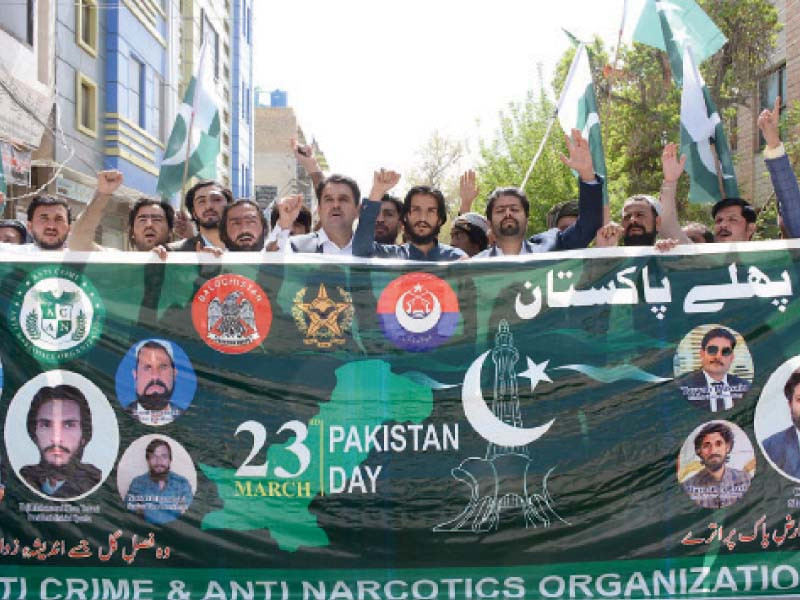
x=606, y=423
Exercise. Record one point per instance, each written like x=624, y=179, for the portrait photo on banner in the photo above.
x=156, y=478
x=713, y=368
x=716, y=464
x=777, y=419
x=155, y=381
x=61, y=435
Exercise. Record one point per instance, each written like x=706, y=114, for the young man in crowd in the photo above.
x=508, y=208
x=205, y=202
x=424, y=213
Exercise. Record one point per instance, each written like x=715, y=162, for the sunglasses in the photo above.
x=712, y=350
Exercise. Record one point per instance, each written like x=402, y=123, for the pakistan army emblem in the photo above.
x=56, y=313
x=323, y=321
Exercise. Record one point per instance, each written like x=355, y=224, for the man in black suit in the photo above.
x=783, y=448
x=712, y=387
x=205, y=202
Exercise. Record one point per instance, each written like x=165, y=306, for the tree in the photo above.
x=439, y=164
x=506, y=157
x=640, y=105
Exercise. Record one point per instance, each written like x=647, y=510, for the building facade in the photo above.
x=277, y=172
x=242, y=116
x=780, y=78
x=27, y=71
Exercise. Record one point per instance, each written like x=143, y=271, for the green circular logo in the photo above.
x=57, y=314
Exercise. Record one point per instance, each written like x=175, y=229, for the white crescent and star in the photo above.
x=484, y=421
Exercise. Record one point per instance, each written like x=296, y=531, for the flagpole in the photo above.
x=616, y=50
x=539, y=151
x=186, y=162
x=719, y=170
x=554, y=116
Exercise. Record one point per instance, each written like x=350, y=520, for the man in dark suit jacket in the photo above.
x=712, y=387
x=507, y=209
x=783, y=448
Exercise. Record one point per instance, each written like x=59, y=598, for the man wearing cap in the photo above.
x=469, y=233
x=507, y=210
x=12, y=231
x=154, y=379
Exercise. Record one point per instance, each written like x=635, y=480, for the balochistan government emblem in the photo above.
x=322, y=321
x=56, y=313
x=232, y=314
x=418, y=311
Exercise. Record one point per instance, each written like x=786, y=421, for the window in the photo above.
x=86, y=26
x=136, y=89
x=209, y=34
x=770, y=87
x=157, y=124
x=17, y=19
x=85, y=105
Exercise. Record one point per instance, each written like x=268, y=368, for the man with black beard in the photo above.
x=243, y=227
x=641, y=220
x=159, y=495
x=205, y=202
x=424, y=213
x=717, y=485
x=154, y=378
x=60, y=424
x=388, y=224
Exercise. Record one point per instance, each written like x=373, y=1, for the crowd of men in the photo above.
x=409, y=228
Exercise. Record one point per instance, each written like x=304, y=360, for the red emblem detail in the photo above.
x=231, y=313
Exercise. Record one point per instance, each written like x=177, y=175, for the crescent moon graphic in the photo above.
x=417, y=325
x=484, y=421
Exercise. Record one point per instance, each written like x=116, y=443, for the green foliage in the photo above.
x=639, y=111
x=505, y=159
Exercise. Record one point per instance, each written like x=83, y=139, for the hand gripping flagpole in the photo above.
x=554, y=116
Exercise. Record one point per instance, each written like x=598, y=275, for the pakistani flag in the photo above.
x=700, y=128
x=577, y=109
x=195, y=134
x=672, y=26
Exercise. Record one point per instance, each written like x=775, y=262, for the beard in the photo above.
x=247, y=244
x=159, y=475
x=208, y=221
x=157, y=400
x=57, y=245
x=648, y=238
x=418, y=239
x=60, y=472
x=509, y=228
x=386, y=238
x=714, y=462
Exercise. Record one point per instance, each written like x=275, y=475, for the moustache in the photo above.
x=155, y=383
x=63, y=449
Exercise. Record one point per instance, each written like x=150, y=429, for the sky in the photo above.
x=371, y=81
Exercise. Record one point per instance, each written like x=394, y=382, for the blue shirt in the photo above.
x=156, y=504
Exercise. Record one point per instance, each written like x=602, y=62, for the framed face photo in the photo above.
x=777, y=419
x=713, y=368
x=156, y=478
x=155, y=382
x=716, y=464
x=61, y=435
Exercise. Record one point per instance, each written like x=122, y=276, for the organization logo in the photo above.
x=231, y=313
x=323, y=321
x=418, y=311
x=56, y=313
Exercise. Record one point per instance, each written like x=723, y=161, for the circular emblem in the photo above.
x=56, y=313
x=418, y=311
x=231, y=313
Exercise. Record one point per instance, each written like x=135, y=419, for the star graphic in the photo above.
x=535, y=372
x=680, y=35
